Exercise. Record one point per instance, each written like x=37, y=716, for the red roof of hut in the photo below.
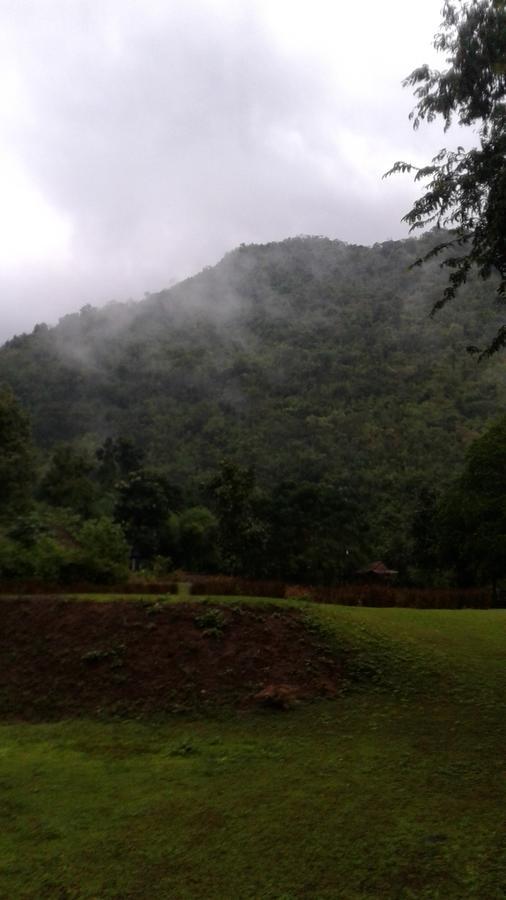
x=377, y=568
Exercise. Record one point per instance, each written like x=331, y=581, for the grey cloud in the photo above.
x=169, y=137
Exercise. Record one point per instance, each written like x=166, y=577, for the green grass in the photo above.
x=155, y=598
x=396, y=790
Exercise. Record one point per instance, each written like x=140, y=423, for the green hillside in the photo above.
x=309, y=359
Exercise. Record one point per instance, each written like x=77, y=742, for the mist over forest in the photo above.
x=305, y=365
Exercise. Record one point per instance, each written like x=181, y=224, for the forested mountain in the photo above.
x=310, y=359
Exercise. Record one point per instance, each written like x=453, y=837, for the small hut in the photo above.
x=376, y=572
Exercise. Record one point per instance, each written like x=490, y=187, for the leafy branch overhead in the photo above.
x=465, y=190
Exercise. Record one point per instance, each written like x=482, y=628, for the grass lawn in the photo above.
x=395, y=790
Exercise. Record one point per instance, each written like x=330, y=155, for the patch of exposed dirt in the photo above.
x=63, y=658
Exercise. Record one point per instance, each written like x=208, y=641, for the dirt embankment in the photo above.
x=61, y=658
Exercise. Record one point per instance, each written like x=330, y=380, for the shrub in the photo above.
x=211, y=621
x=103, y=552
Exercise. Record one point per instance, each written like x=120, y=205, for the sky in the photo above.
x=140, y=141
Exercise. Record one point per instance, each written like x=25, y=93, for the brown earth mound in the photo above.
x=62, y=658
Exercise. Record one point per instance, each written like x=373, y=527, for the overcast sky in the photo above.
x=142, y=139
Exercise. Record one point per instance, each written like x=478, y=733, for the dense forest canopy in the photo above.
x=310, y=360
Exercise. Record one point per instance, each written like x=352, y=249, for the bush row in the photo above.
x=376, y=595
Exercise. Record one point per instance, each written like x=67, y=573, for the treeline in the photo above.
x=78, y=516
x=91, y=517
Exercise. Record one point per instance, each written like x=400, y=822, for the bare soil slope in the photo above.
x=63, y=658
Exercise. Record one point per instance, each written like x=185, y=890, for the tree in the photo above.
x=68, y=482
x=241, y=532
x=425, y=553
x=117, y=459
x=316, y=532
x=465, y=191
x=103, y=555
x=474, y=511
x=16, y=454
x=195, y=536
x=145, y=501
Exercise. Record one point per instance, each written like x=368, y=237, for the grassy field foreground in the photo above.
x=394, y=790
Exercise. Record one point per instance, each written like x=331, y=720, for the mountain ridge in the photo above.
x=307, y=358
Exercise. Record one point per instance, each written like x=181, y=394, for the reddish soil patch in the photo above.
x=62, y=658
